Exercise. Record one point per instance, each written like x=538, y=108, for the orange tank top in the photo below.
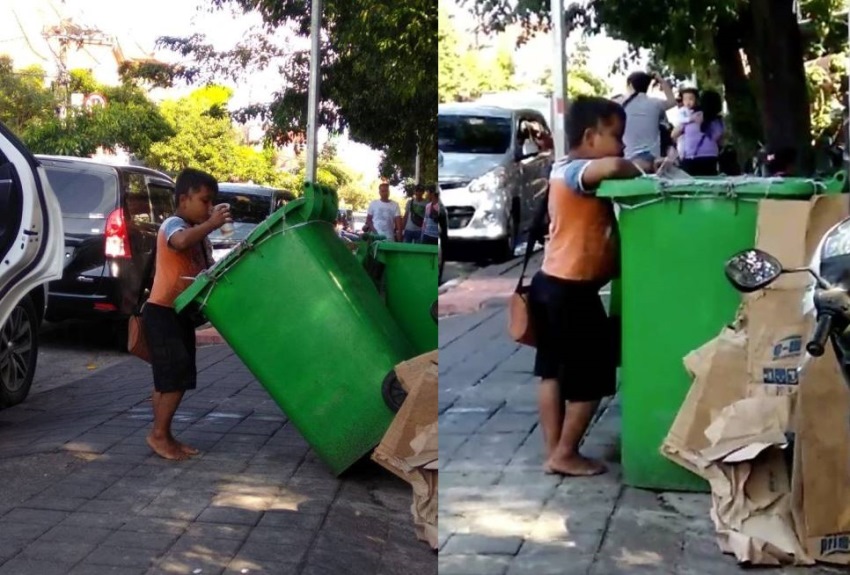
x=583, y=240
x=175, y=270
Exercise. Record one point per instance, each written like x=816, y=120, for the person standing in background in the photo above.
x=414, y=215
x=384, y=215
x=644, y=116
x=700, y=136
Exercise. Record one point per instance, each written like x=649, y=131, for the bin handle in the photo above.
x=214, y=278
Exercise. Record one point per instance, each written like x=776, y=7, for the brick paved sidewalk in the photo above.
x=83, y=495
x=499, y=514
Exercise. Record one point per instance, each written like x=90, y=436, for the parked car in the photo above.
x=30, y=256
x=111, y=216
x=494, y=166
x=250, y=204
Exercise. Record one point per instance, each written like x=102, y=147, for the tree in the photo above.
x=205, y=138
x=755, y=48
x=128, y=120
x=465, y=73
x=23, y=98
x=378, y=66
x=580, y=80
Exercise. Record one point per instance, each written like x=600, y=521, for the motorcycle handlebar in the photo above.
x=817, y=345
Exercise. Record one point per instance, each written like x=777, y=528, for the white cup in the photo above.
x=227, y=229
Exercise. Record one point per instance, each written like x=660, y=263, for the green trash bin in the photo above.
x=409, y=284
x=675, y=238
x=307, y=321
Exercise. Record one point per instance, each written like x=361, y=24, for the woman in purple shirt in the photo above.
x=700, y=135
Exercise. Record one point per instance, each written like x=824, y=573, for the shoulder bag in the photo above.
x=520, y=327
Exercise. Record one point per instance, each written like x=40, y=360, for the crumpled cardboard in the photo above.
x=409, y=448
x=772, y=441
x=425, y=467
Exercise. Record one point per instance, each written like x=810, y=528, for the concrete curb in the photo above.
x=489, y=286
x=208, y=336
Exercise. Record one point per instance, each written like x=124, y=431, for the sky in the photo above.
x=147, y=20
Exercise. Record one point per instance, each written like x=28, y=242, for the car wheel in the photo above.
x=18, y=353
x=392, y=392
x=505, y=248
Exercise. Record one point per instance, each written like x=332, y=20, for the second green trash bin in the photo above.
x=675, y=237
x=305, y=318
x=409, y=284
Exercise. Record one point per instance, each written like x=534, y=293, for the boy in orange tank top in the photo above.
x=575, y=359
x=182, y=252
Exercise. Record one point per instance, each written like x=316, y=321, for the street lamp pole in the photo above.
x=559, y=78
x=313, y=104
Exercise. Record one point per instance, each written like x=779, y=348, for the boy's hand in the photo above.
x=220, y=215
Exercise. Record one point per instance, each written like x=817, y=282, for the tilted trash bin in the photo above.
x=303, y=315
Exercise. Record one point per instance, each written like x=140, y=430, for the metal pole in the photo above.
x=559, y=79
x=313, y=104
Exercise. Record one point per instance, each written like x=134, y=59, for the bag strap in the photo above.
x=699, y=144
x=146, y=275
x=628, y=100
x=535, y=234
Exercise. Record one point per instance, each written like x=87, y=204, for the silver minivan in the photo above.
x=494, y=165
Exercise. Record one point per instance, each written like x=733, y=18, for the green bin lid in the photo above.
x=319, y=204
x=750, y=187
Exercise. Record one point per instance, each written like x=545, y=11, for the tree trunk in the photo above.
x=777, y=47
x=743, y=109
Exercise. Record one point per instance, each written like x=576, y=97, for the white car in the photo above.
x=31, y=254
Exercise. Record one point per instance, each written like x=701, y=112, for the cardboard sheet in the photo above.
x=772, y=440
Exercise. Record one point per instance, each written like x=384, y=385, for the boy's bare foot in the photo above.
x=575, y=466
x=187, y=449
x=167, y=449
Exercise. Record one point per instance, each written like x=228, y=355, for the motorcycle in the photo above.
x=753, y=269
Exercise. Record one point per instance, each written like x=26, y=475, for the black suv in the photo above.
x=111, y=217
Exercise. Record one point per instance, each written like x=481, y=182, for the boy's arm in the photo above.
x=586, y=176
x=399, y=225
x=185, y=238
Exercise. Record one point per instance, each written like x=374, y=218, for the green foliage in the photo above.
x=24, y=100
x=707, y=37
x=129, y=119
x=464, y=73
x=580, y=80
x=204, y=138
x=378, y=69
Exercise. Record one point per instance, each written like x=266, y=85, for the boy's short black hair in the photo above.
x=639, y=81
x=192, y=179
x=589, y=112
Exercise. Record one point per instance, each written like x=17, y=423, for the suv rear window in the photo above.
x=82, y=192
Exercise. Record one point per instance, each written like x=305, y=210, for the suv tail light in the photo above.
x=117, y=238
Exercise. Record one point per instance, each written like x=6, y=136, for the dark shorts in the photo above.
x=171, y=338
x=574, y=338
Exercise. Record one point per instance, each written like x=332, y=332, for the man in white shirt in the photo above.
x=644, y=114
x=384, y=215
